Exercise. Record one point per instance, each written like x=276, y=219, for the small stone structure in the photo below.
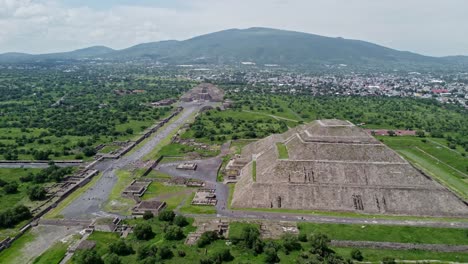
x=187, y=166
x=152, y=206
x=220, y=226
x=205, y=197
x=136, y=188
x=274, y=230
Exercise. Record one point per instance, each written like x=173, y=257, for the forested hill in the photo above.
x=258, y=45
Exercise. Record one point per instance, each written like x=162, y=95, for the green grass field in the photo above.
x=158, y=188
x=53, y=255
x=400, y=234
x=154, y=154
x=21, y=197
x=254, y=171
x=282, y=150
x=15, y=250
x=445, y=165
x=376, y=255
x=188, y=208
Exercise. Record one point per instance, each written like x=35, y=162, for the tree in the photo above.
x=391, y=133
x=121, y=248
x=41, y=155
x=291, y=242
x=302, y=237
x=181, y=221
x=147, y=215
x=174, y=233
x=143, y=231
x=271, y=256
x=87, y=257
x=89, y=151
x=319, y=243
x=250, y=235
x=37, y=193
x=12, y=216
x=356, y=254
x=166, y=215
x=165, y=252
x=113, y=259
x=207, y=238
x=11, y=188
x=420, y=133
x=388, y=260
x=3, y=183
x=147, y=251
x=129, y=131
x=222, y=255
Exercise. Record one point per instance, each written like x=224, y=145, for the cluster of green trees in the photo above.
x=13, y=216
x=312, y=248
x=84, y=104
x=53, y=173
x=424, y=115
x=149, y=253
x=216, y=125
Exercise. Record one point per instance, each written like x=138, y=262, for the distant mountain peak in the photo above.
x=261, y=45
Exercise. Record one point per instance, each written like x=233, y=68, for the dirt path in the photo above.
x=273, y=116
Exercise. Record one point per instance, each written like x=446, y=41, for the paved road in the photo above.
x=90, y=204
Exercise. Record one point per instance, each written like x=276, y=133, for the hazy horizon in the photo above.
x=45, y=26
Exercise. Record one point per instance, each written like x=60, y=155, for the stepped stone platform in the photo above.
x=333, y=165
x=204, y=92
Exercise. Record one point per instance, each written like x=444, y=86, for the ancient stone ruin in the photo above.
x=204, y=92
x=332, y=165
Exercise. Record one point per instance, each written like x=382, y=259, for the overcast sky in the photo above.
x=431, y=27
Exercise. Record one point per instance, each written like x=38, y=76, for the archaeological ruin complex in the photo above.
x=204, y=92
x=333, y=165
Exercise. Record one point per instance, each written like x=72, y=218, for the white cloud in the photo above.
x=427, y=26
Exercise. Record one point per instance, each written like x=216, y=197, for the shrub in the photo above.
x=121, y=248
x=302, y=237
x=147, y=251
x=11, y=217
x=356, y=254
x=87, y=257
x=11, y=188
x=271, y=256
x=291, y=242
x=181, y=221
x=113, y=259
x=319, y=243
x=143, y=231
x=222, y=255
x=166, y=215
x=165, y=252
x=147, y=215
x=37, y=193
x=207, y=238
x=388, y=260
x=174, y=233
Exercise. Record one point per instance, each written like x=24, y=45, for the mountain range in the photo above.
x=258, y=45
